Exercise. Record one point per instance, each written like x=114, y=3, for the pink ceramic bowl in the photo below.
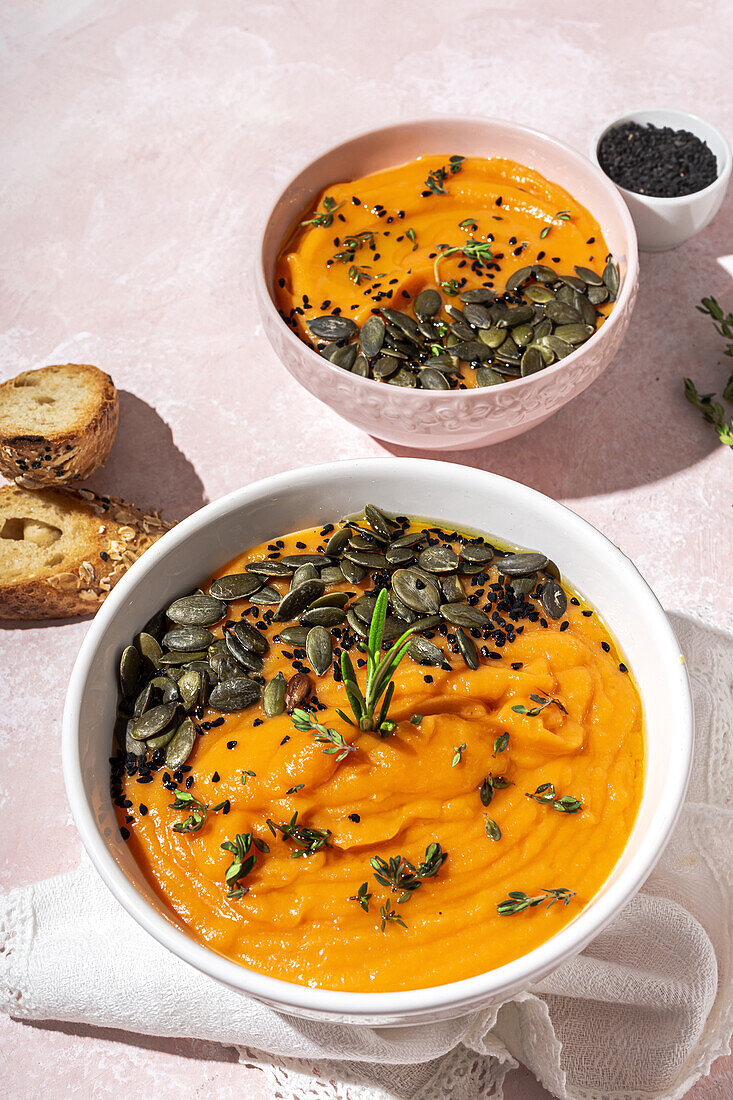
x=456, y=419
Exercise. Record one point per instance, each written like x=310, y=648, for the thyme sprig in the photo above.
x=380, y=670
x=244, y=860
x=352, y=244
x=309, y=840
x=541, y=702
x=518, y=901
x=324, y=219
x=436, y=178
x=546, y=796
x=490, y=784
x=398, y=874
x=389, y=916
x=331, y=738
x=713, y=412
x=199, y=811
x=479, y=251
x=362, y=896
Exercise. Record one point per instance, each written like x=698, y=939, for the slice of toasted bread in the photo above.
x=57, y=424
x=62, y=550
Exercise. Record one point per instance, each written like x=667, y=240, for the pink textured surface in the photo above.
x=141, y=143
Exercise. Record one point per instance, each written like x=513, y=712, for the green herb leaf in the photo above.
x=501, y=743
x=389, y=916
x=545, y=795
x=493, y=831
x=712, y=411
x=518, y=901
x=457, y=754
x=416, y=719
x=532, y=712
x=324, y=219
x=304, y=721
x=199, y=812
x=362, y=896
x=243, y=862
x=308, y=840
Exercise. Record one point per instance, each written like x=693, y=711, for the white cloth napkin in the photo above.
x=642, y=1013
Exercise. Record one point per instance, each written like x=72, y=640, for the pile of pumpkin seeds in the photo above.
x=463, y=596
x=541, y=318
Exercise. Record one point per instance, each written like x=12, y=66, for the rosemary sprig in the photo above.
x=545, y=795
x=325, y=218
x=244, y=860
x=518, y=901
x=458, y=751
x=309, y=840
x=332, y=739
x=199, y=812
x=713, y=412
x=389, y=916
x=490, y=784
x=362, y=896
x=380, y=671
x=398, y=874
x=542, y=702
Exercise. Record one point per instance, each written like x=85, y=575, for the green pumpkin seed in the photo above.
x=344, y=357
x=543, y=274
x=265, y=596
x=172, y=660
x=329, y=350
x=452, y=589
x=153, y=721
x=332, y=574
x=356, y=624
x=480, y=294
x=462, y=614
x=166, y=687
x=468, y=649
x=371, y=337
x=399, y=555
x=477, y=315
x=189, y=688
x=611, y=278
x=378, y=521
x=585, y=309
x=517, y=278
x=559, y=347
x=269, y=568
x=574, y=282
x=156, y=625
x=479, y=553
x=298, y=599
x=385, y=366
x=319, y=649
x=250, y=661
x=539, y=294
x=411, y=538
x=573, y=334
x=250, y=637
x=432, y=379
x=493, y=337
x=401, y=610
x=180, y=747
x=361, y=367
x=331, y=599
x=554, y=600
x=238, y=693
x=322, y=616
x=522, y=334
x=352, y=572
x=419, y=594
x=588, y=276
x=273, y=697
x=532, y=361
x=293, y=561
x=302, y=574
x=597, y=295
x=521, y=565
x=149, y=649
x=427, y=303
x=438, y=559
x=332, y=327
x=129, y=671
x=427, y=622
x=425, y=652
x=154, y=743
x=197, y=610
x=337, y=541
x=294, y=635
x=522, y=586
x=403, y=378
x=367, y=559
x=235, y=586
x=487, y=376
x=182, y=639
x=563, y=314
x=143, y=700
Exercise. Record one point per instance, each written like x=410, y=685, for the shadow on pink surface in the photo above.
x=633, y=426
x=145, y=465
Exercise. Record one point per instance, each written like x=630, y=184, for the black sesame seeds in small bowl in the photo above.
x=672, y=169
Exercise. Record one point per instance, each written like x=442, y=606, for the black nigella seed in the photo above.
x=605, y=647
x=143, y=809
x=231, y=744
x=564, y=625
x=124, y=833
x=354, y=817
x=622, y=667
x=216, y=778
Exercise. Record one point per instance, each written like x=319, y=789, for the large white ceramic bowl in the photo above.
x=462, y=497
x=450, y=420
x=665, y=223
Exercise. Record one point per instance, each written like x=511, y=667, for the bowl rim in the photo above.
x=487, y=987
x=666, y=201
x=625, y=294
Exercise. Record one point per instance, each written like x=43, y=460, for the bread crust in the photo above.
x=35, y=461
x=117, y=533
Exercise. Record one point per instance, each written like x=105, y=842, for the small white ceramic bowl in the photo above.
x=662, y=224
x=450, y=420
x=463, y=497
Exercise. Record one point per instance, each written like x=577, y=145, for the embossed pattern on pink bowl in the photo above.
x=440, y=420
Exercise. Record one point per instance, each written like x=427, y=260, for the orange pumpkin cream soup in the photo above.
x=448, y=272
x=377, y=755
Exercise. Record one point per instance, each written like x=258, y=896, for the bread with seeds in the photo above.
x=57, y=424
x=62, y=550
